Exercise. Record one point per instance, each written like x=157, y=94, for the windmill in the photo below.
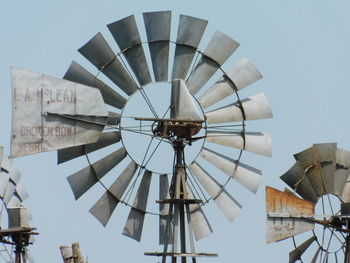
x=18, y=235
x=71, y=254
x=176, y=139
x=318, y=205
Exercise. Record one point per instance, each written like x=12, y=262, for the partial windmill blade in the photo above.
x=158, y=35
x=227, y=204
x=14, y=201
x=21, y=192
x=79, y=74
x=296, y=253
x=99, y=53
x=256, y=142
x=255, y=107
x=319, y=165
x=113, y=118
x=14, y=177
x=244, y=174
x=342, y=171
x=182, y=104
x=189, y=34
x=285, y=210
x=165, y=219
x=242, y=75
x=345, y=196
x=105, y=206
x=106, y=139
x=296, y=178
x=134, y=224
x=6, y=163
x=10, y=190
x=199, y=222
x=327, y=153
x=51, y=113
x=126, y=34
x=219, y=49
x=4, y=179
x=84, y=179
x=1, y=154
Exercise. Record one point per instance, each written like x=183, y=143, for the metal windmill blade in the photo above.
x=131, y=137
x=319, y=177
x=16, y=236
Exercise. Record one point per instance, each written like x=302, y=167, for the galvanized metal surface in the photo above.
x=40, y=104
x=106, y=139
x=296, y=178
x=134, y=223
x=341, y=175
x=242, y=75
x=299, y=251
x=105, y=206
x=84, y=179
x=284, y=215
x=327, y=158
x=1, y=154
x=319, y=165
x=165, y=219
x=4, y=179
x=14, y=201
x=199, y=222
x=17, y=217
x=189, y=34
x=127, y=36
x=182, y=104
x=227, y=204
x=256, y=142
x=343, y=157
x=316, y=154
x=342, y=171
x=158, y=35
x=98, y=52
x=244, y=174
x=21, y=192
x=79, y=74
x=217, y=52
x=345, y=196
x=255, y=107
x=10, y=190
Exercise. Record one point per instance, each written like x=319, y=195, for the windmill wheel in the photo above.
x=320, y=178
x=13, y=214
x=140, y=135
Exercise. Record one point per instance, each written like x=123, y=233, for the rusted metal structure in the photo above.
x=18, y=235
x=319, y=177
x=81, y=115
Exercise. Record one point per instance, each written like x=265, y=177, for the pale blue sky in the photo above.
x=301, y=48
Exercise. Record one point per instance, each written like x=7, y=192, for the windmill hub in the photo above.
x=161, y=126
x=172, y=129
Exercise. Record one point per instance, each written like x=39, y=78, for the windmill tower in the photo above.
x=17, y=236
x=318, y=205
x=82, y=115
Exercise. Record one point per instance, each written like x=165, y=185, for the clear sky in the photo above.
x=301, y=48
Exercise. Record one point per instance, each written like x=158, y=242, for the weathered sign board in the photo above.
x=51, y=113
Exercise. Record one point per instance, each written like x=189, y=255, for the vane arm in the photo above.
x=71, y=117
x=327, y=223
x=168, y=120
